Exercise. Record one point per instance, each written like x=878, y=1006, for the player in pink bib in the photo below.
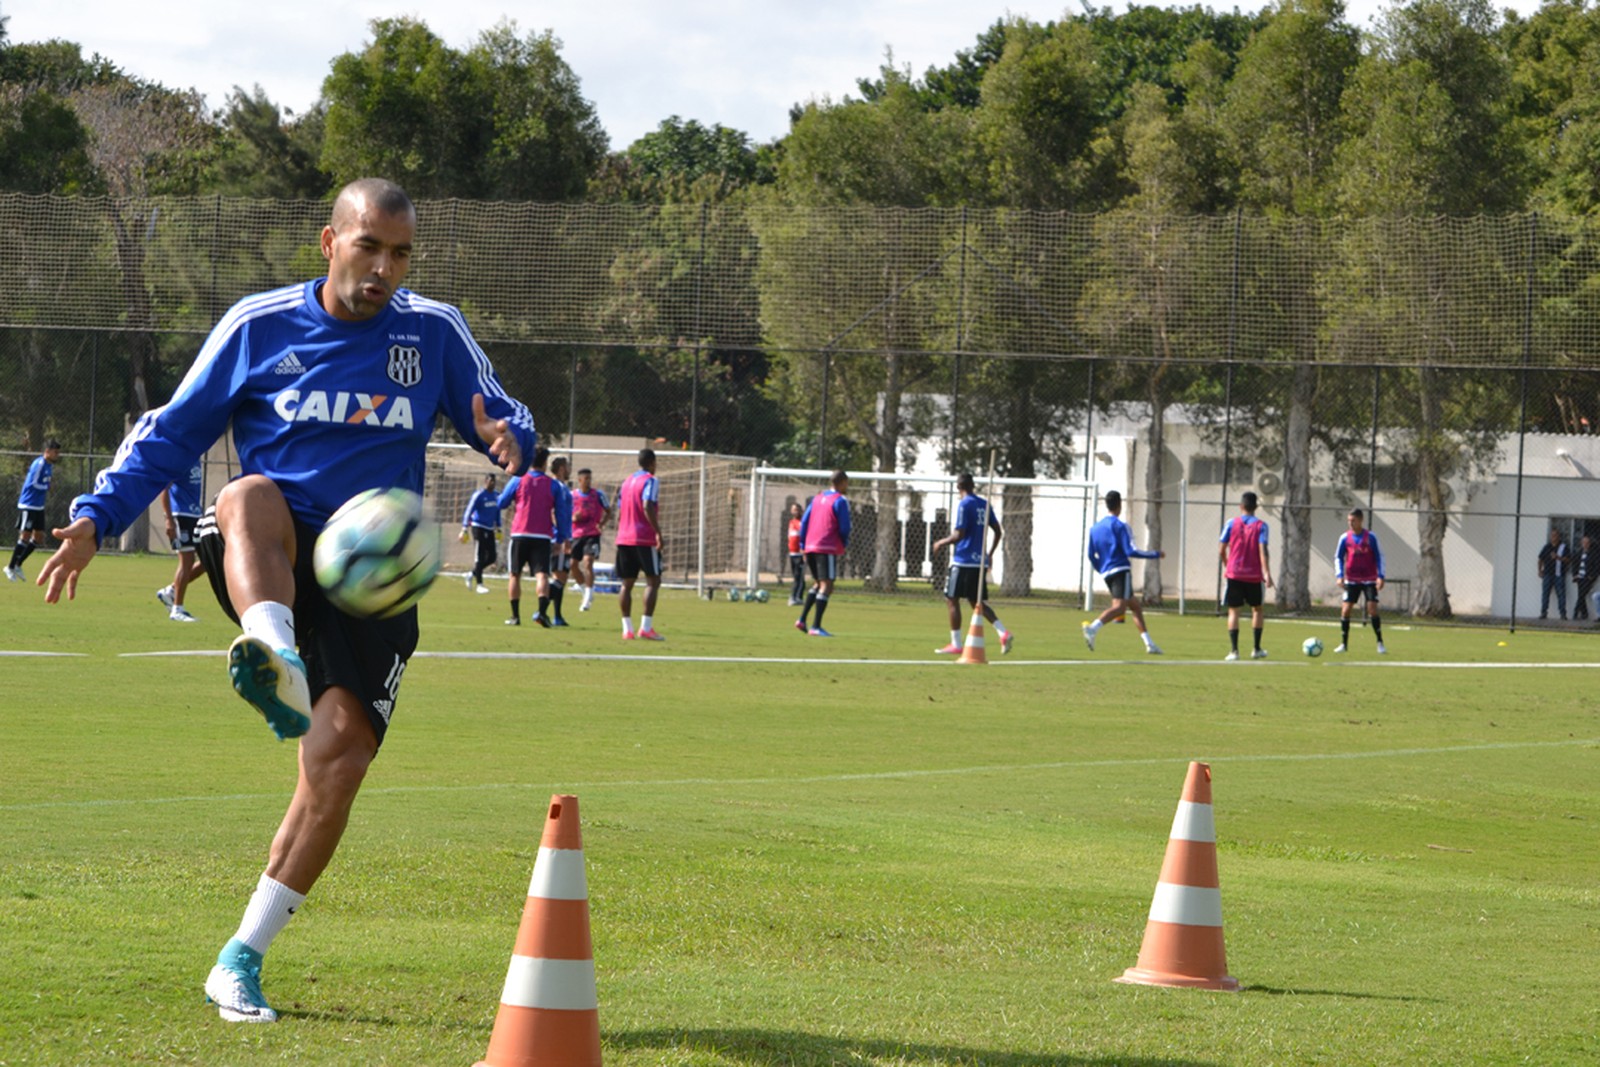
x=639, y=544
x=1248, y=568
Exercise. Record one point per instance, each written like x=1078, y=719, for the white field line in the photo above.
x=943, y=661
x=823, y=779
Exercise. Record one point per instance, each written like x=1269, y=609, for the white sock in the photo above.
x=627, y=626
x=999, y=627
x=588, y=595
x=271, y=907
x=271, y=622
x=1147, y=641
x=647, y=622
x=955, y=637
x=1094, y=627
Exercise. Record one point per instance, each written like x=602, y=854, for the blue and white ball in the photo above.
x=1312, y=647
x=377, y=555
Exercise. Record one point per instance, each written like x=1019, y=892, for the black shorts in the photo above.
x=483, y=547
x=1354, y=591
x=365, y=656
x=30, y=519
x=824, y=566
x=634, y=560
x=530, y=552
x=1240, y=593
x=184, y=542
x=966, y=583
x=585, y=546
x=1120, y=585
x=560, y=562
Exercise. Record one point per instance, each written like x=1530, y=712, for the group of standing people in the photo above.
x=555, y=530
x=1556, y=563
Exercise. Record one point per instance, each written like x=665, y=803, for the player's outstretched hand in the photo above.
x=496, y=433
x=61, y=570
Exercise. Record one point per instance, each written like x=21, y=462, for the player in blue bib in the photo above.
x=30, y=507
x=332, y=386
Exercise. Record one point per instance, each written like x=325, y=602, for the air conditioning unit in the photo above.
x=1269, y=483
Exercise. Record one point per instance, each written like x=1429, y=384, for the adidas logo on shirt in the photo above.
x=289, y=364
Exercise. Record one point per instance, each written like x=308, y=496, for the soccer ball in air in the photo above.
x=377, y=556
x=1312, y=647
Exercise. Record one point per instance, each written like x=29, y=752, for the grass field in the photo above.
x=797, y=856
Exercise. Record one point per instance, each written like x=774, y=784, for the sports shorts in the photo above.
x=365, y=656
x=634, y=560
x=966, y=583
x=1240, y=593
x=1120, y=585
x=483, y=546
x=585, y=546
x=1354, y=591
x=184, y=542
x=530, y=552
x=560, y=562
x=824, y=566
x=30, y=519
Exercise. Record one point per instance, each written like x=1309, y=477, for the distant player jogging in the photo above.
x=590, y=509
x=537, y=528
x=1247, y=566
x=332, y=386
x=481, y=521
x=969, y=565
x=1358, y=568
x=824, y=536
x=30, y=507
x=1111, y=553
x=184, y=504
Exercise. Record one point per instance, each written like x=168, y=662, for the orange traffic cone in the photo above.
x=972, y=651
x=1183, y=939
x=549, y=1013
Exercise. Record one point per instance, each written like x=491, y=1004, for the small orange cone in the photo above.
x=1183, y=939
x=972, y=651
x=549, y=1012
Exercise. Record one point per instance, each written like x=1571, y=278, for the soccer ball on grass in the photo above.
x=1312, y=647
x=377, y=556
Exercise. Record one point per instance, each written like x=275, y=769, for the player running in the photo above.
x=590, y=510
x=184, y=504
x=1247, y=566
x=332, y=386
x=969, y=567
x=824, y=535
x=1358, y=567
x=481, y=521
x=1110, y=551
x=30, y=507
x=536, y=529
x=639, y=545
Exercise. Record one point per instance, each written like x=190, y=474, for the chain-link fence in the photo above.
x=1444, y=374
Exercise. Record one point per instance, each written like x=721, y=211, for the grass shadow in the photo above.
x=1273, y=991
x=788, y=1048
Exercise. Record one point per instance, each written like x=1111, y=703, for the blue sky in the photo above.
x=738, y=63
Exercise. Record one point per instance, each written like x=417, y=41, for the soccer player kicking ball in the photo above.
x=968, y=579
x=1110, y=550
x=332, y=387
x=824, y=534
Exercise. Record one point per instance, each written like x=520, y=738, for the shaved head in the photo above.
x=376, y=194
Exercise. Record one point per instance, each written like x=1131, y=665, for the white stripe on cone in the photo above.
x=1186, y=905
x=558, y=875
x=566, y=985
x=1193, y=822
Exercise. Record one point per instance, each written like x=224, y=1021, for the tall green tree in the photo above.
x=503, y=121
x=267, y=154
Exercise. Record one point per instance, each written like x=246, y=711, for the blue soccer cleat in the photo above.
x=273, y=681
x=817, y=631
x=234, y=985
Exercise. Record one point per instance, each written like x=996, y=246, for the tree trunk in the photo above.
x=1294, y=569
x=1153, y=464
x=1021, y=460
x=885, y=577
x=1432, y=597
x=1016, y=519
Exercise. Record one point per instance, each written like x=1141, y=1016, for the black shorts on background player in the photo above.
x=365, y=656
x=1239, y=594
x=532, y=553
x=824, y=567
x=1353, y=592
x=634, y=560
x=966, y=583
